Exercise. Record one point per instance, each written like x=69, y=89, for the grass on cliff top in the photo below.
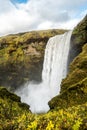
x=23, y=37
x=13, y=47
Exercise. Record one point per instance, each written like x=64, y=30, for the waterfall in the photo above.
x=54, y=70
x=55, y=61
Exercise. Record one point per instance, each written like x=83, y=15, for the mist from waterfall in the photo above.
x=54, y=70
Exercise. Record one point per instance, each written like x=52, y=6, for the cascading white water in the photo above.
x=55, y=61
x=54, y=70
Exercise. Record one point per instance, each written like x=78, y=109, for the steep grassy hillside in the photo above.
x=16, y=116
x=74, y=86
x=21, y=57
x=78, y=67
x=10, y=107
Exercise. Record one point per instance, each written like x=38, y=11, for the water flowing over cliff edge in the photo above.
x=65, y=108
x=54, y=70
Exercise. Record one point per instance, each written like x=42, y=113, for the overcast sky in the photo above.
x=26, y=15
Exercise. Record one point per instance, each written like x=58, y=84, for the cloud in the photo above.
x=40, y=14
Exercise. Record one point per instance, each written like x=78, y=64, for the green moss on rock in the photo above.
x=5, y=93
x=74, y=95
x=74, y=86
x=78, y=70
x=11, y=98
x=79, y=35
x=15, y=115
x=78, y=38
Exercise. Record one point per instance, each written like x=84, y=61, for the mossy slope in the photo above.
x=5, y=95
x=78, y=70
x=74, y=86
x=15, y=115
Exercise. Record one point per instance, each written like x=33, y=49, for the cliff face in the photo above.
x=78, y=67
x=78, y=38
x=21, y=57
x=74, y=86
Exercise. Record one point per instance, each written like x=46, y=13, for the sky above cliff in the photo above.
x=26, y=15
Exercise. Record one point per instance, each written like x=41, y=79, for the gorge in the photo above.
x=54, y=70
x=21, y=61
